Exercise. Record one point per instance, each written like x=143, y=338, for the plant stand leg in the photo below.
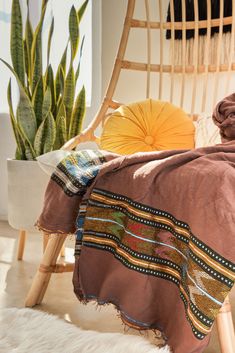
x=43, y=275
x=225, y=328
x=21, y=244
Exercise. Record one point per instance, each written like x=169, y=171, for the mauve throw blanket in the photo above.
x=155, y=235
x=224, y=117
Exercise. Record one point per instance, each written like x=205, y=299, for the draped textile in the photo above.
x=155, y=235
x=224, y=117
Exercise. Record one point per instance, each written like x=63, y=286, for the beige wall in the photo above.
x=113, y=12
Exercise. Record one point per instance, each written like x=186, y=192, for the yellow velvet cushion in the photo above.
x=147, y=126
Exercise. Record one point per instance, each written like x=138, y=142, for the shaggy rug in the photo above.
x=27, y=330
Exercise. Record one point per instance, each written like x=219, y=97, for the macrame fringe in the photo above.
x=204, y=54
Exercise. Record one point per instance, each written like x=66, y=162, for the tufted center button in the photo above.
x=149, y=140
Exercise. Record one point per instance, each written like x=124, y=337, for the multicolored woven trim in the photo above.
x=155, y=243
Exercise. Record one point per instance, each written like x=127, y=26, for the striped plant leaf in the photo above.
x=69, y=92
x=29, y=151
x=44, y=3
x=17, y=49
x=64, y=59
x=20, y=152
x=37, y=100
x=50, y=82
x=25, y=113
x=59, y=83
x=82, y=10
x=61, y=111
x=18, y=155
x=29, y=42
x=80, y=56
x=60, y=125
x=49, y=40
x=26, y=117
x=45, y=137
x=36, y=54
x=46, y=106
x=62, y=81
x=78, y=114
x=61, y=132
x=26, y=61
x=73, y=32
x=77, y=72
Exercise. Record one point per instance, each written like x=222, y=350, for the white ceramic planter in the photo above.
x=26, y=187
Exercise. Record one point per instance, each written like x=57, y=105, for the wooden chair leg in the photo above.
x=45, y=241
x=225, y=328
x=62, y=253
x=21, y=244
x=42, y=277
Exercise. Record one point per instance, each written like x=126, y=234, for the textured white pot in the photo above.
x=26, y=187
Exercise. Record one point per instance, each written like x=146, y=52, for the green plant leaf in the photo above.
x=44, y=3
x=80, y=56
x=36, y=55
x=49, y=40
x=62, y=81
x=46, y=106
x=29, y=41
x=20, y=152
x=61, y=111
x=82, y=10
x=29, y=151
x=59, y=82
x=37, y=100
x=26, y=60
x=62, y=66
x=45, y=136
x=69, y=92
x=78, y=114
x=51, y=83
x=50, y=133
x=61, y=128
x=61, y=132
x=64, y=59
x=17, y=49
x=26, y=117
x=73, y=31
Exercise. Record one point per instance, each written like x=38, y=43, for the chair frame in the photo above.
x=49, y=263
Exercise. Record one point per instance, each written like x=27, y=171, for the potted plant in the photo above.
x=48, y=113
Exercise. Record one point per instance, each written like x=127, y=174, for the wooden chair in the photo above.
x=22, y=240
x=188, y=74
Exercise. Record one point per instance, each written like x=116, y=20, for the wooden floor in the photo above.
x=16, y=277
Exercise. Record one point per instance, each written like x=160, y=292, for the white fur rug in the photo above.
x=27, y=330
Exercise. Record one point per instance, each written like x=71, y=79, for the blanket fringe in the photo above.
x=127, y=325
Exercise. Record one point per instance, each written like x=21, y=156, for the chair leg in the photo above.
x=225, y=328
x=45, y=241
x=43, y=275
x=62, y=253
x=21, y=245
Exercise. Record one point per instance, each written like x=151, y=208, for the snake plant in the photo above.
x=48, y=113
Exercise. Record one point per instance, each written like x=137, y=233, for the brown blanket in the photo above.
x=155, y=235
x=224, y=117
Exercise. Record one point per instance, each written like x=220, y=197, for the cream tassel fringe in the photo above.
x=206, y=54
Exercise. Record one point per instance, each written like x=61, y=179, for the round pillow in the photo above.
x=147, y=126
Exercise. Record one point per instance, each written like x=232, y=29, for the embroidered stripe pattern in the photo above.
x=155, y=243
x=76, y=171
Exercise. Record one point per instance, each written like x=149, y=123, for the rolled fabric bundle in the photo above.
x=224, y=117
